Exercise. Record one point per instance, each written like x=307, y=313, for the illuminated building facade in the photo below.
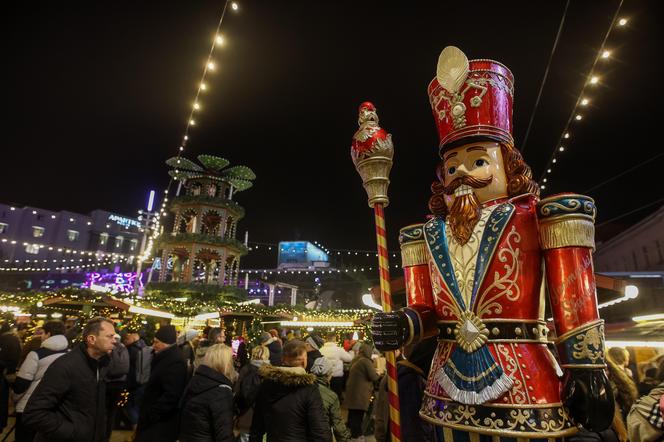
x=30, y=236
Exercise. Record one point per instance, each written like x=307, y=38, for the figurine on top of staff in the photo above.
x=477, y=274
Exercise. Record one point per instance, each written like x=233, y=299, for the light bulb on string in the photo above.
x=578, y=117
x=606, y=54
x=219, y=39
x=235, y=6
x=622, y=22
x=566, y=135
x=585, y=102
x=203, y=86
x=197, y=106
x=594, y=80
x=211, y=66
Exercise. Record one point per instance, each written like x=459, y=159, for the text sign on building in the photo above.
x=124, y=222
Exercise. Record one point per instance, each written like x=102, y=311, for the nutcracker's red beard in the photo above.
x=466, y=210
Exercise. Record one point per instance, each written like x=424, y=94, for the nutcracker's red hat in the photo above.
x=471, y=100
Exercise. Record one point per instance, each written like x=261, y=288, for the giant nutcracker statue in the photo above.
x=477, y=273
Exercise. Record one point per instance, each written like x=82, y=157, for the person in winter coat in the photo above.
x=645, y=421
x=337, y=356
x=207, y=404
x=216, y=335
x=187, y=342
x=10, y=354
x=68, y=404
x=246, y=389
x=275, y=345
x=412, y=373
x=54, y=344
x=116, y=380
x=289, y=407
x=322, y=368
x=359, y=388
x=158, y=417
x=135, y=347
x=313, y=343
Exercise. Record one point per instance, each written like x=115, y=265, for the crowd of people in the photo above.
x=192, y=387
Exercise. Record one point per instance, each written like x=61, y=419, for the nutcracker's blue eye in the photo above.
x=451, y=170
x=481, y=162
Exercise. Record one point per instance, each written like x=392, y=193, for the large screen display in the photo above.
x=300, y=254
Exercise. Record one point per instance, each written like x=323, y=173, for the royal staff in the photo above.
x=475, y=275
x=372, y=152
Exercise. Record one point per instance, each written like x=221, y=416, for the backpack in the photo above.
x=143, y=363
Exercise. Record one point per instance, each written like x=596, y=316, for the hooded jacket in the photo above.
x=69, y=402
x=35, y=365
x=207, y=408
x=289, y=407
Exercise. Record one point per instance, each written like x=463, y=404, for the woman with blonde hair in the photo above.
x=247, y=387
x=207, y=403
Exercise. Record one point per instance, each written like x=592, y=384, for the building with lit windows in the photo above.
x=34, y=237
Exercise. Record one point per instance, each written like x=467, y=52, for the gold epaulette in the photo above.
x=566, y=220
x=413, y=247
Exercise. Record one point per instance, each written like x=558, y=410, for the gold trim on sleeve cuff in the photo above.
x=566, y=231
x=413, y=253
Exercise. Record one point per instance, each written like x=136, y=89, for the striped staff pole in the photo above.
x=372, y=152
x=386, y=301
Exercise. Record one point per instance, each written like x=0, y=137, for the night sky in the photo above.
x=97, y=95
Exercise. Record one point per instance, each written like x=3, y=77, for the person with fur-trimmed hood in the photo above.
x=289, y=406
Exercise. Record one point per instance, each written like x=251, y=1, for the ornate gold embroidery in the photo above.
x=447, y=303
x=549, y=420
x=518, y=393
x=506, y=283
x=590, y=345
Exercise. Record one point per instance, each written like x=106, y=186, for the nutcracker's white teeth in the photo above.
x=463, y=189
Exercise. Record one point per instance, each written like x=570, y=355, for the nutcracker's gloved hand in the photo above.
x=588, y=396
x=390, y=330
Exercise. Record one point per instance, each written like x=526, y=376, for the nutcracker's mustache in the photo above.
x=468, y=180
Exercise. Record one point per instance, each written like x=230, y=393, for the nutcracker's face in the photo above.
x=475, y=168
x=473, y=174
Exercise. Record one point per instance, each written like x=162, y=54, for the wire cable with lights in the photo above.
x=582, y=100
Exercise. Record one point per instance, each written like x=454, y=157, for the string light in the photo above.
x=583, y=100
x=210, y=65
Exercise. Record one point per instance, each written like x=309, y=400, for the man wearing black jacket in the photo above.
x=289, y=407
x=68, y=404
x=158, y=418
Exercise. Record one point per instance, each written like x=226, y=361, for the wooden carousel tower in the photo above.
x=202, y=247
